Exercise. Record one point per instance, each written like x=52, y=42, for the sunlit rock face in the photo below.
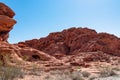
x=6, y=21
x=5, y=10
x=59, y=50
x=6, y=25
x=75, y=40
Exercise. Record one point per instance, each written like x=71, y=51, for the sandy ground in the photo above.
x=31, y=77
x=109, y=78
x=93, y=70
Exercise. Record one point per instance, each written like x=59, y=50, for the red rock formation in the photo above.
x=6, y=21
x=5, y=10
x=75, y=40
x=6, y=25
x=71, y=47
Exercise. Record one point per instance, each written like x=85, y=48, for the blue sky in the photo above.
x=37, y=18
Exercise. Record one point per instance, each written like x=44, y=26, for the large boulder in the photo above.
x=5, y=10
x=6, y=21
x=13, y=54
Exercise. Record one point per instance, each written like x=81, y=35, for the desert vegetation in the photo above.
x=72, y=54
x=10, y=73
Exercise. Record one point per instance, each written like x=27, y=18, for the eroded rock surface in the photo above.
x=6, y=21
x=75, y=40
x=15, y=52
x=59, y=50
x=5, y=10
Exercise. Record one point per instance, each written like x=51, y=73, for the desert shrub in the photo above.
x=85, y=73
x=93, y=77
x=106, y=71
x=10, y=73
x=77, y=75
x=58, y=75
x=4, y=58
x=1, y=63
x=34, y=70
x=117, y=68
x=64, y=75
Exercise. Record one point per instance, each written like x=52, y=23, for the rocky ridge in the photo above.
x=59, y=50
x=75, y=40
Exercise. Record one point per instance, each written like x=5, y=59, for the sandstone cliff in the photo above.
x=75, y=40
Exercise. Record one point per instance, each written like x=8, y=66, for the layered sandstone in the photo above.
x=6, y=21
x=15, y=52
x=59, y=50
x=75, y=40
x=5, y=10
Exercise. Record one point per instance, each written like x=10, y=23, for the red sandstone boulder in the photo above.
x=34, y=55
x=96, y=56
x=5, y=10
x=30, y=53
x=6, y=21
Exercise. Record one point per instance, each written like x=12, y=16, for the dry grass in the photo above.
x=10, y=73
x=64, y=75
x=106, y=71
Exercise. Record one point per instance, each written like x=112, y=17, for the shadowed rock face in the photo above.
x=6, y=21
x=75, y=40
